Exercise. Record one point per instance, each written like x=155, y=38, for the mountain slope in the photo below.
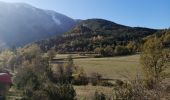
x=102, y=26
x=22, y=23
x=92, y=33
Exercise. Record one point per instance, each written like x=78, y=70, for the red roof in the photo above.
x=5, y=78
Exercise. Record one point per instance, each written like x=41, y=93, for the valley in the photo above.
x=46, y=55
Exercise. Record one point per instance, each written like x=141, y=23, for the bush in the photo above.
x=119, y=82
x=40, y=95
x=121, y=50
x=63, y=73
x=51, y=92
x=81, y=80
x=98, y=50
x=132, y=47
x=96, y=78
x=131, y=90
x=108, y=51
x=99, y=96
x=106, y=84
x=60, y=92
x=135, y=90
x=80, y=77
x=168, y=89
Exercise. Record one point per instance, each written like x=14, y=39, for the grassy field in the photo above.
x=113, y=67
x=109, y=67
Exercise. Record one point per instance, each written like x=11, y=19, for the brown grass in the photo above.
x=87, y=92
x=111, y=67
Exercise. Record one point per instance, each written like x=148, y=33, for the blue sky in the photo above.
x=145, y=13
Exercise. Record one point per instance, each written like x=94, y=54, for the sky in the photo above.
x=136, y=13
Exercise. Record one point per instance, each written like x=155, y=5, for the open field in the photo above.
x=113, y=67
x=74, y=56
x=109, y=67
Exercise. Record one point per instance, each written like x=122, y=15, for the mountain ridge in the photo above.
x=22, y=23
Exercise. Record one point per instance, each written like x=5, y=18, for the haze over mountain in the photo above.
x=22, y=23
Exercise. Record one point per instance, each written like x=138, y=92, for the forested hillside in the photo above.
x=98, y=36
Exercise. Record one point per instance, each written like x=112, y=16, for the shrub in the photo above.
x=40, y=95
x=135, y=90
x=63, y=73
x=98, y=50
x=60, y=92
x=81, y=80
x=130, y=90
x=51, y=54
x=95, y=78
x=108, y=51
x=132, y=47
x=99, y=96
x=121, y=50
x=106, y=84
x=168, y=89
x=79, y=76
x=119, y=82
